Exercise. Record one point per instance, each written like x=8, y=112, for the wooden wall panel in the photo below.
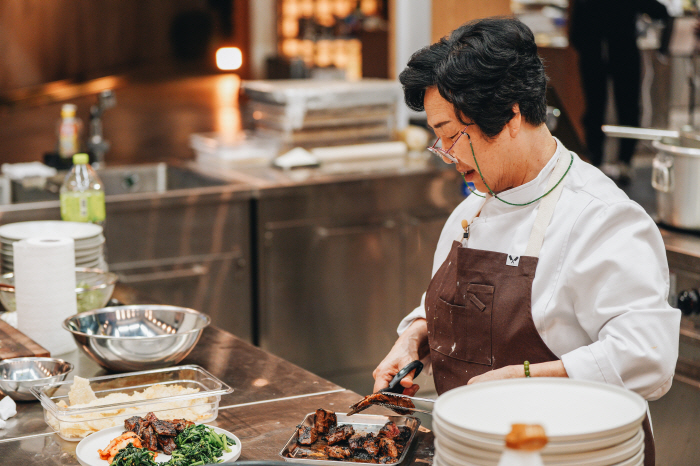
x=448, y=15
x=43, y=41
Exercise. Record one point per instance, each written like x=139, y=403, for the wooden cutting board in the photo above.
x=15, y=344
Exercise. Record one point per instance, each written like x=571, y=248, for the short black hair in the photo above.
x=482, y=68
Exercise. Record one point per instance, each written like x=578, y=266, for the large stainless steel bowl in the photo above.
x=132, y=338
x=18, y=375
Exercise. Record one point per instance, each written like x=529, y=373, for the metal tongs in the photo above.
x=394, y=390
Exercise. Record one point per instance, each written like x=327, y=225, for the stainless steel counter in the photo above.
x=271, y=396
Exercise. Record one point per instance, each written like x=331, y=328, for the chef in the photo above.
x=548, y=269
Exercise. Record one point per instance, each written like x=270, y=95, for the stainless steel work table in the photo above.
x=270, y=397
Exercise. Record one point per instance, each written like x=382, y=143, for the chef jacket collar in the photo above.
x=523, y=193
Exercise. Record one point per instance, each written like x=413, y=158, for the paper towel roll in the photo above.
x=45, y=290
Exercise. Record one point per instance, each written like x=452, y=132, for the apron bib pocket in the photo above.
x=464, y=332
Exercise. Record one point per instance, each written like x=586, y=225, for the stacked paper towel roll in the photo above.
x=45, y=290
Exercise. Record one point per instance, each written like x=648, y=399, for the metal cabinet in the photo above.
x=340, y=264
x=191, y=251
x=185, y=247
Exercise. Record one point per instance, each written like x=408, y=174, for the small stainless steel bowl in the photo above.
x=133, y=338
x=17, y=375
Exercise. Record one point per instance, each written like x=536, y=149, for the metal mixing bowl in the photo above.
x=93, y=289
x=133, y=338
x=17, y=375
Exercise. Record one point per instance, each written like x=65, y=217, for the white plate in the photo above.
x=24, y=230
x=552, y=448
x=569, y=410
x=604, y=457
x=87, y=455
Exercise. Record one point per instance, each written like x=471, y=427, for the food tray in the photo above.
x=362, y=423
x=75, y=424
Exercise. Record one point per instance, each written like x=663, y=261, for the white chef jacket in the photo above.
x=599, y=296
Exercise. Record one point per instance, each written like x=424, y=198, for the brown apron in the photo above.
x=478, y=308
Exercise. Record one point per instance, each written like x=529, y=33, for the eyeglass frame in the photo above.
x=446, y=153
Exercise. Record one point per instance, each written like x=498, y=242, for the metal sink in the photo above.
x=126, y=179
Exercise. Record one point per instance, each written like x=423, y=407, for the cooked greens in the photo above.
x=132, y=456
x=196, y=445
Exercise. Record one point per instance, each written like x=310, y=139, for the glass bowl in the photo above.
x=94, y=288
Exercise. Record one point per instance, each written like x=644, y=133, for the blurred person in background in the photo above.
x=604, y=33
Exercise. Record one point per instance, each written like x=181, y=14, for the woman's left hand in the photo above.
x=543, y=369
x=508, y=372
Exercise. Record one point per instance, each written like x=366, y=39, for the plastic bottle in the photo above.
x=82, y=193
x=69, y=128
x=523, y=445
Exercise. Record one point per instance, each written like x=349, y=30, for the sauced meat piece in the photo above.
x=380, y=398
x=181, y=424
x=307, y=435
x=141, y=426
x=150, y=417
x=386, y=459
x=164, y=428
x=325, y=420
x=388, y=448
x=167, y=444
x=338, y=453
x=405, y=433
x=371, y=445
x=305, y=453
x=357, y=441
x=131, y=424
x=150, y=439
x=389, y=431
x=340, y=433
x=362, y=456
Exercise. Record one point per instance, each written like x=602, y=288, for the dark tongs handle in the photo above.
x=395, y=384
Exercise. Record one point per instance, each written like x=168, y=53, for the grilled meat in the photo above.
x=164, y=428
x=356, y=441
x=338, y=453
x=167, y=444
x=132, y=423
x=325, y=420
x=181, y=424
x=405, y=434
x=380, y=398
x=388, y=448
x=366, y=442
x=386, y=459
x=339, y=433
x=390, y=431
x=371, y=445
x=307, y=435
x=362, y=456
x=149, y=438
x=117, y=444
x=306, y=453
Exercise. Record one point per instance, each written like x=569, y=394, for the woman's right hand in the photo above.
x=409, y=347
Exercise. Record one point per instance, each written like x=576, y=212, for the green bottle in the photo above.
x=82, y=193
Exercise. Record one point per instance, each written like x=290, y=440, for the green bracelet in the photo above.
x=526, y=364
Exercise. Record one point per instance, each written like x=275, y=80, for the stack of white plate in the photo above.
x=89, y=241
x=587, y=423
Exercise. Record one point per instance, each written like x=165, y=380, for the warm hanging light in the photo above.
x=229, y=58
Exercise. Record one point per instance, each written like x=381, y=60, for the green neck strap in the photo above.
x=494, y=194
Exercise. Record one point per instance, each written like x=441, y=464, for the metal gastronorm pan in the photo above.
x=361, y=423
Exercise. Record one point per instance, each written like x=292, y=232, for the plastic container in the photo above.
x=75, y=424
x=68, y=129
x=82, y=193
x=214, y=149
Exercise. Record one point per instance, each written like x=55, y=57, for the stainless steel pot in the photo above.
x=675, y=172
x=676, y=178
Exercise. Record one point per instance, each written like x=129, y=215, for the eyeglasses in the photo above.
x=440, y=152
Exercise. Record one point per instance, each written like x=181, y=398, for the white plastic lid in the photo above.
x=68, y=110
